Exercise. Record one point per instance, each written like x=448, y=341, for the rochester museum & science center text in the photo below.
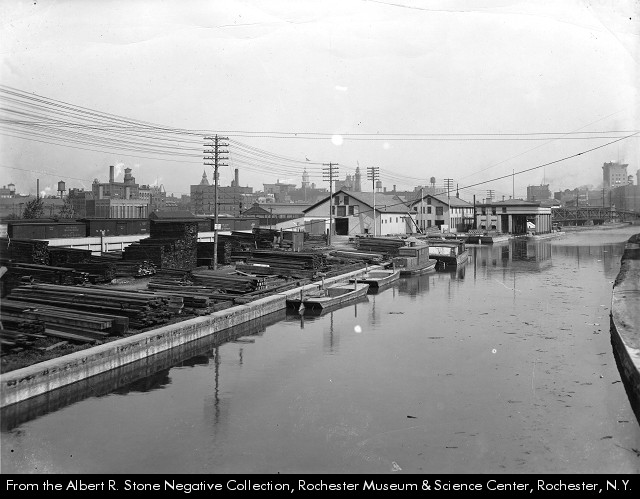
x=292, y=486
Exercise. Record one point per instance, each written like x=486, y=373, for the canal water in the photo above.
x=502, y=366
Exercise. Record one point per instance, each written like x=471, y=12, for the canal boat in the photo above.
x=414, y=259
x=376, y=278
x=448, y=252
x=329, y=296
x=418, y=269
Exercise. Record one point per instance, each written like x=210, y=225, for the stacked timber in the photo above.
x=32, y=272
x=226, y=282
x=126, y=308
x=357, y=255
x=79, y=327
x=60, y=257
x=314, y=241
x=283, y=263
x=264, y=238
x=385, y=245
x=206, y=291
x=19, y=334
x=226, y=245
x=124, y=268
x=25, y=250
x=172, y=245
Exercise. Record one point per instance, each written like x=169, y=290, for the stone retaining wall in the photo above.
x=53, y=374
x=625, y=321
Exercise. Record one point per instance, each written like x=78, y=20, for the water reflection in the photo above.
x=151, y=373
x=508, y=370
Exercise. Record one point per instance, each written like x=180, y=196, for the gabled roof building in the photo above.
x=356, y=213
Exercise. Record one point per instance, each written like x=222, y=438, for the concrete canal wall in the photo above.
x=625, y=321
x=31, y=381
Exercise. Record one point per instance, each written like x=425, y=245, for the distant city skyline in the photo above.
x=487, y=93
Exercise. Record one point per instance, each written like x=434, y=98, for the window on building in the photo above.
x=428, y=223
x=333, y=210
x=346, y=200
x=428, y=210
x=504, y=209
x=484, y=211
x=493, y=210
x=342, y=211
x=439, y=210
x=428, y=200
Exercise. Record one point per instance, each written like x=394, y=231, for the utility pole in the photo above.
x=421, y=210
x=329, y=173
x=373, y=174
x=448, y=182
x=216, y=161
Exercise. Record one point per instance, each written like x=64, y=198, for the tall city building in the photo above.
x=614, y=175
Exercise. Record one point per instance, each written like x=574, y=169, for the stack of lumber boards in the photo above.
x=97, y=268
x=314, y=241
x=126, y=308
x=46, y=273
x=284, y=263
x=385, y=245
x=79, y=327
x=226, y=244
x=60, y=257
x=170, y=245
x=125, y=268
x=206, y=291
x=264, y=238
x=25, y=250
x=356, y=255
x=18, y=334
x=227, y=282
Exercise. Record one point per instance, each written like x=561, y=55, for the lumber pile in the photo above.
x=79, y=327
x=126, y=309
x=314, y=241
x=171, y=245
x=60, y=257
x=25, y=250
x=19, y=334
x=264, y=238
x=283, y=263
x=226, y=282
x=227, y=244
x=31, y=272
x=357, y=255
x=124, y=268
x=384, y=245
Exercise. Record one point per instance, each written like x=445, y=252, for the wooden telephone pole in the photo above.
x=213, y=145
x=329, y=173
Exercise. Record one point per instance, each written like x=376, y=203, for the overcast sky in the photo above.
x=466, y=90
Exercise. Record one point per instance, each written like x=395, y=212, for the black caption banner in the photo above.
x=305, y=485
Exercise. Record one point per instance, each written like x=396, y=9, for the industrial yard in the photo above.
x=61, y=300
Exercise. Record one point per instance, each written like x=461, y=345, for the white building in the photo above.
x=353, y=213
x=438, y=210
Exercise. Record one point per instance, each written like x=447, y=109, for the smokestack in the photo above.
x=237, y=181
x=111, y=174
